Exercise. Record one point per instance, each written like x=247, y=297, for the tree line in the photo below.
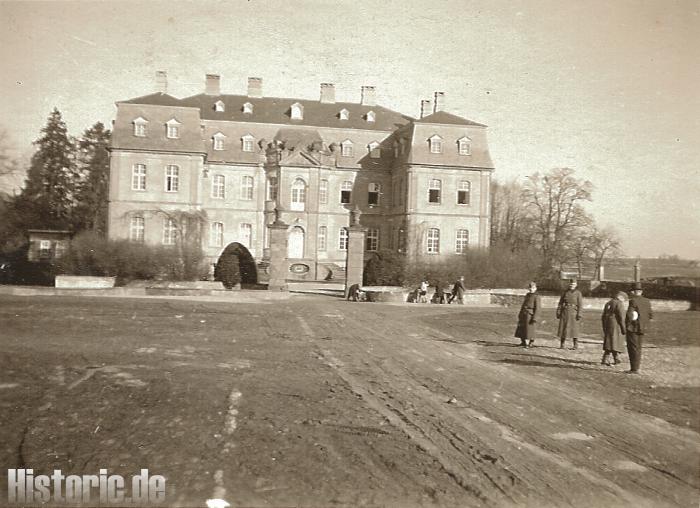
x=546, y=213
x=66, y=186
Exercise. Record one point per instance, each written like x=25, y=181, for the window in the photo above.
x=60, y=249
x=433, y=241
x=298, y=194
x=343, y=239
x=137, y=229
x=374, y=151
x=272, y=187
x=344, y=114
x=462, y=241
x=218, y=141
x=138, y=177
x=246, y=188
x=435, y=144
x=322, y=235
x=464, y=193
x=172, y=178
x=247, y=143
x=218, y=187
x=370, y=116
x=323, y=192
x=373, y=192
x=140, y=127
x=345, y=192
x=45, y=249
x=434, y=191
x=372, y=239
x=219, y=106
x=346, y=148
x=172, y=128
x=464, y=146
x=297, y=111
x=248, y=108
x=216, y=234
x=245, y=234
x=169, y=232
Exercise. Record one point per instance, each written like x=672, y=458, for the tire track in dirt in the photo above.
x=399, y=367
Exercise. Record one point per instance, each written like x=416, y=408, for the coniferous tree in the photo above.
x=52, y=178
x=93, y=188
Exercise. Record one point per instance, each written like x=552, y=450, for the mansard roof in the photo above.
x=276, y=110
x=442, y=117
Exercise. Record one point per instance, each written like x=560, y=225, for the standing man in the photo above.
x=458, y=291
x=569, y=314
x=637, y=322
x=528, y=316
x=613, y=320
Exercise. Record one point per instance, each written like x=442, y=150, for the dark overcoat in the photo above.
x=614, y=331
x=643, y=307
x=569, y=314
x=528, y=316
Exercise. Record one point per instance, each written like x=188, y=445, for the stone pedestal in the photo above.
x=637, y=271
x=354, y=265
x=278, y=256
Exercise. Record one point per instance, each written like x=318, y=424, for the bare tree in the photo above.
x=8, y=164
x=511, y=225
x=604, y=242
x=555, y=200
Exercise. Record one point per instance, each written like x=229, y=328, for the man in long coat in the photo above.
x=528, y=316
x=613, y=320
x=458, y=291
x=569, y=315
x=637, y=322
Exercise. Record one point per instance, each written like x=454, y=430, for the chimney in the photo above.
x=439, y=101
x=161, y=82
x=212, y=84
x=369, y=97
x=327, y=93
x=425, y=107
x=255, y=87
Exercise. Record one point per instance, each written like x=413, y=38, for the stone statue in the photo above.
x=355, y=214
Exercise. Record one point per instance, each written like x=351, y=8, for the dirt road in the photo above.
x=321, y=402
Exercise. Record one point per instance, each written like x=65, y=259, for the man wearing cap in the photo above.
x=528, y=316
x=569, y=314
x=637, y=323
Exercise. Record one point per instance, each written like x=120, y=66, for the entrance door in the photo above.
x=295, y=246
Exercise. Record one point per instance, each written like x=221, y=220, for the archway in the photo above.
x=236, y=263
x=295, y=245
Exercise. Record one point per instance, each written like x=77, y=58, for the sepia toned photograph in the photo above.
x=317, y=253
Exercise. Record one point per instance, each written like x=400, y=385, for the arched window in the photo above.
x=295, y=245
x=298, y=194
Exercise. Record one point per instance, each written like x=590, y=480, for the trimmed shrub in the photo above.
x=385, y=268
x=227, y=270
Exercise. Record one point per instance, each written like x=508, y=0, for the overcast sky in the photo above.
x=607, y=88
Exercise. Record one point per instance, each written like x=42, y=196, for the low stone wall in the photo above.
x=84, y=282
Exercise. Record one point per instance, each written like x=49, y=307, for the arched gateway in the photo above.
x=237, y=254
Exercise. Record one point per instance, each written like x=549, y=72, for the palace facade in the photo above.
x=421, y=185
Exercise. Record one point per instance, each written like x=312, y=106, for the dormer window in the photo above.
x=346, y=148
x=140, y=127
x=374, y=151
x=370, y=116
x=297, y=111
x=218, y=141
x=248, y=108
x=172, y=128
x=464, y=146
x=219, y=106
x=248, y=143
x=435, y=143
x=344, y=114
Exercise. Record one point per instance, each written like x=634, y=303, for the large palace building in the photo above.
x=421, y=185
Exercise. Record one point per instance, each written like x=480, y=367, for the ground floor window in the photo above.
x=433, y=241
x=462, y=241
x=137, y=229
x=343, y=239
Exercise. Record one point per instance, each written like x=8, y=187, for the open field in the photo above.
x=315, y=401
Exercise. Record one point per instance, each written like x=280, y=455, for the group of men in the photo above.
x=617, y=323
